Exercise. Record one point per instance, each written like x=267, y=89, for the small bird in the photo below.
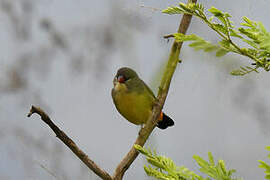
x=134, y=99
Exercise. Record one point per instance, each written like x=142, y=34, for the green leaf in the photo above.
x=225, y=44
x=211, y=18
x=222, y=167
x=236, y=72
x=221, y=28
x=248, y=21
x=267, y=177
x=156, y=163
x=210, y=48
x=235, y=33
x=223, y=20
x=221, y=52
x=197, y=44
x=265, y=42
x=182, y=37
x=211, y=159
x=185, y=7
x=262, y=28
x=249, y=33
x=245, y=24
x=200, y=44
x=141, y=149
x=173, y=10
x=243, y=71
x=216, y=12
x=201, y=162
x=251, y=43
x=155, y=173
x=230, y=172
x=227, y=15
x=264, y=165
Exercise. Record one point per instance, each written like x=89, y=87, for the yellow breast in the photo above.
x=135, y=107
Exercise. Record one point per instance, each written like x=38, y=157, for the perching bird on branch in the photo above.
x=134, y=99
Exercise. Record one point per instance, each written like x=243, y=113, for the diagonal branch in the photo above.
x=162, y=94
x=72, y=146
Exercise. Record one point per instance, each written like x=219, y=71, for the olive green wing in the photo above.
x=149, y=91
x=140, y=86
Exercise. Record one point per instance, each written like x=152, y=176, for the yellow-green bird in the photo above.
x=134, y=99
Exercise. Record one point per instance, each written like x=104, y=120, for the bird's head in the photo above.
x=123, y=75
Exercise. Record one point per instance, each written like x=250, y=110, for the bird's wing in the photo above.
x=140, y=86
x=149, y=90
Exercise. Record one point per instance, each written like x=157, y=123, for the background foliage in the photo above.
x=252, y=33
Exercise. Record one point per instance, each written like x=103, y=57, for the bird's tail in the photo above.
x=165, y=122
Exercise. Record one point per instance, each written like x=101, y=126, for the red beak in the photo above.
x=121, y=79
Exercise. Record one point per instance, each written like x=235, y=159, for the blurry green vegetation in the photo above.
x=162, y=167
x=252, y=33
x=266, y=166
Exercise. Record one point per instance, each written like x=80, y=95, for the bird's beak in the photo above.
x=121, y=79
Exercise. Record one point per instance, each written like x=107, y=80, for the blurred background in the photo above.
x=62, y=56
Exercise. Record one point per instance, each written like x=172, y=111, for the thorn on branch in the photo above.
x=168, y=36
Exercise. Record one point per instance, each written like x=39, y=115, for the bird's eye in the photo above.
x=121, y=79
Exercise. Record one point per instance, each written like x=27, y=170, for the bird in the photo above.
x=134, y=100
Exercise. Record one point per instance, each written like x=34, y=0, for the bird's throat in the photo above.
x=120, y=87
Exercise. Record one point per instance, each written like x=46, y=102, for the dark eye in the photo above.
x=121, y=79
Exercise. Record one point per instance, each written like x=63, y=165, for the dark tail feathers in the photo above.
x=166, y=122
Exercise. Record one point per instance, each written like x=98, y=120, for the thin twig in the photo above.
x=168, y=36
x=162, y=94
x=72, y=146
x=47, y=170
